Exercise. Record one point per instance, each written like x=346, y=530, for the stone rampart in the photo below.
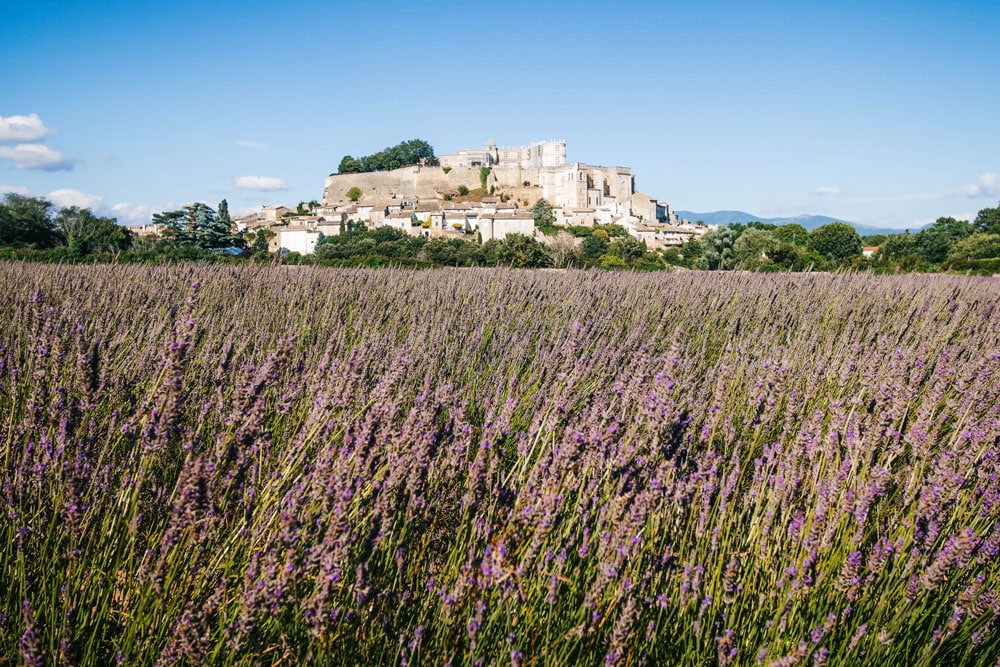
x=414, y=181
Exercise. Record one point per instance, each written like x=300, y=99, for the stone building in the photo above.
x=540, y=168
x=580, y=194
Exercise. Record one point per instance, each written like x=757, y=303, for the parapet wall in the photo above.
x=414, y=181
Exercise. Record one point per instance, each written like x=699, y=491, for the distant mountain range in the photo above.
x=810, y=222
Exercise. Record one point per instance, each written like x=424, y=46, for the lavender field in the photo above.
x=281, y=465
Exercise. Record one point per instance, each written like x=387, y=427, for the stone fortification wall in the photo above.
x=414, y=181
x=542, y=165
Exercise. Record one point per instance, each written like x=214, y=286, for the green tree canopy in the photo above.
x=717, y=248
x=593, y=247
x=354, y=194
x=260, y=240
x=977, y=246
x=753, y=248
x=414, y=151
x=519, y=250
x=543, y=213
x=628, y=248
x=197, y=225
x=935, y=243
x=85, y=232
x=788, y=256
x=27, y=222
x=792, y=233
x=988, y=221
x=896, y=248
x=835, y=242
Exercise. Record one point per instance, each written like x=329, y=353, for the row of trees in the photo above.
x=385, y=245
x=415, y=151
x=34, y=223
x=197, y=231
x=762, y=246
x=31, y=227
x=598, y=248
x=947, y=245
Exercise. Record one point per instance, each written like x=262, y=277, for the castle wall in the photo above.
x=414, y=181
x=542, y=165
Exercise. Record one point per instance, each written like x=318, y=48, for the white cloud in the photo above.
x=36, y=156
x=68, y=197
x=134, y=214
x=16, y=189
x=246, y=143
x=262, y=183
x=988, y=185
x=23, y=128
x=825, y=190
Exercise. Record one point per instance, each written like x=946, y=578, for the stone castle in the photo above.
x=418, y=200
x=525, y=173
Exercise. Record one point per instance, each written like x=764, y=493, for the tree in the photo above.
x=792, y=233
x=717, y=248
x=260, y=240
x=354, y=194
x=543, y=213
x=522, y=251
x=563, y=249
x=223, y=214
x=439, y=251
x=788, y=256
x=629, y=248
x=899, y=250
x=753, y=248
x=935, y=243
x=610, y=260
x=27, y=222
x=988, y=221
x=348, y=165
x=84, y=232
x=415, y=151
x=484, y=174
x=691, y=251
x=836, y=242
x=593, y=247
x=196, y=225
x=462, y=190
x=977, y=246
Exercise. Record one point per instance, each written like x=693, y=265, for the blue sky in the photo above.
x=876, y=112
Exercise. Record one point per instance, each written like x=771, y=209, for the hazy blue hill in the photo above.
x=810, y=222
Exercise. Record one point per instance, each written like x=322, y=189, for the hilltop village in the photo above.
x=486, y=192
